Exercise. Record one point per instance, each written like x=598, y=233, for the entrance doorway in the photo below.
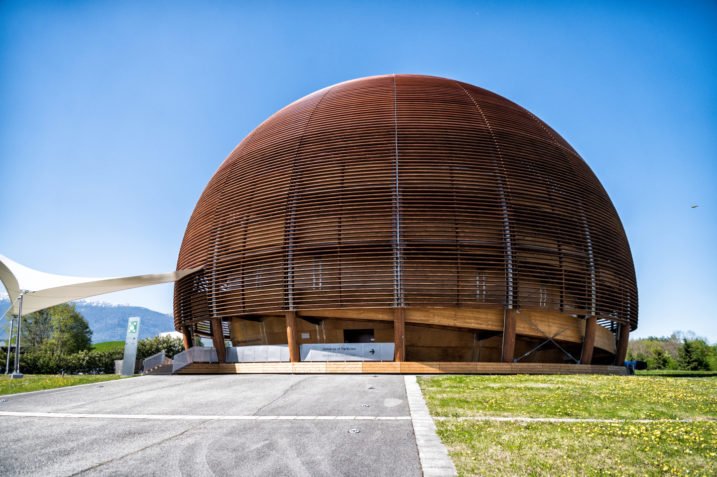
x=358, y=336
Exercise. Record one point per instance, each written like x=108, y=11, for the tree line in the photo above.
x=679, y=351
x=59, y=340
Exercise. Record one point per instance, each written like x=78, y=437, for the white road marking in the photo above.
x=195, y=417
x=431, y=451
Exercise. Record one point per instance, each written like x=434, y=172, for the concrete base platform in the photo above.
x=373, y=367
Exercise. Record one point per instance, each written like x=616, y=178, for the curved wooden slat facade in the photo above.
x=413, y=193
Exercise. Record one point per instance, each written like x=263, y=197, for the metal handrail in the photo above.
x=181, y=360
x=195, y=354
x=153, y=361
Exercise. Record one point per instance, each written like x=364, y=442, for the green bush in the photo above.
x=680, y=351
x=660, y=359
x=44, y=361
x=712, y=359
x=694, y=355
x=60, y=329
x=85, y=362
x=149, y=346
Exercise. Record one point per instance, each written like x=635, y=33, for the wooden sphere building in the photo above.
x=415, y=210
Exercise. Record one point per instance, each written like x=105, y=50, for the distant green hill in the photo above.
x=109, y=322
x=109, y=346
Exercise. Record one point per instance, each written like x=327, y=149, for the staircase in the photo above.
x=164, y=368
x=157, y=364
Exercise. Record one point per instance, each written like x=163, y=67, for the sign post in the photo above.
x=130, y=346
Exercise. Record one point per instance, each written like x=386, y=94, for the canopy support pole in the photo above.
x=17, y=374
x=9, y=343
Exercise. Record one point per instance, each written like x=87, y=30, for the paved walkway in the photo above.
x=279, y=425
x=431, y=451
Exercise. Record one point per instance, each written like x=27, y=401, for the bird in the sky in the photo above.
x=694, y=206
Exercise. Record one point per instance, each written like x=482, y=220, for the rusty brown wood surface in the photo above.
x=292, y=336
x=218, y=339
x=405, y=190
x=399, y=334
x=622, y=342
x=507, y=352
x=586, y=355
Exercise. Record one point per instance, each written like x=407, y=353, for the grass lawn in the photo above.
x=505, y=448
x=593, y=396
x=36, y=382
x=666, y=446
x=109, y=346
x=676, y=373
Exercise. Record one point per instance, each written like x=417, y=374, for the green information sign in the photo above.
x=130, y=346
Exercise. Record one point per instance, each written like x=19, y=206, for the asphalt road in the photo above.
x=213, y=425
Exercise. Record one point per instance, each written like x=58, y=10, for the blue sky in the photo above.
x=114, y=115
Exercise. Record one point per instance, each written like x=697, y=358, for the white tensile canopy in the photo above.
x=41, y=290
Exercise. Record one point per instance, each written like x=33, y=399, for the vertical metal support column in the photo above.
x=398, y=299
x=508, y=348
x=591, y=264
x=9, y=342
x=17, y=374
x=218, y=340
x=292, y=337
x=289, y=244
x=622, y=342
x=399, y=334
x=586, y=356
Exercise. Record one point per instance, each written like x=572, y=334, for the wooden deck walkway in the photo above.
x=372, y=367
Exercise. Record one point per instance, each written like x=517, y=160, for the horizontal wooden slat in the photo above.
x=412, y=191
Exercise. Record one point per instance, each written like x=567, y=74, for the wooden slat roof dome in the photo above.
x=405, y=190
